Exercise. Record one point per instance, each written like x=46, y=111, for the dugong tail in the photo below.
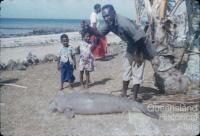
x=142, y=108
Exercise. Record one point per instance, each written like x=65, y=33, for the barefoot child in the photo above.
x=86, y=63
x=66, y=62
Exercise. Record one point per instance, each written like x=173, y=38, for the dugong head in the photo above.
x=58, y=103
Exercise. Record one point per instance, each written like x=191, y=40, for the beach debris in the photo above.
x=25, y=63
x=14, y=85
x=32, y=59
x=50, y=58
x=20, y=66
x=11, y=64
x=171, y=82
x=3, y=66
x=174, y=28
x=165, y=64
x=193, y=70
x=193, y=38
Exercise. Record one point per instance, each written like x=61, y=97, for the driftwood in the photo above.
x=163, y=9
x=162, y=28
x=14, y=85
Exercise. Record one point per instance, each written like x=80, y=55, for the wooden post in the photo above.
x=163, y=8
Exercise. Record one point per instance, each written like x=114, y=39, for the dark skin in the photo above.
x=109, y=16
x=87, y=73
x=65, y=43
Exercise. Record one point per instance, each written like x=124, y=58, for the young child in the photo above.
x=86, y=63
x=66, y=62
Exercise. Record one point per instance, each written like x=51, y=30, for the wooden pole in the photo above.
x=163, y=8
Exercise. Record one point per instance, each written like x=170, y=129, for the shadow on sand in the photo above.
x=107, y=58
x=147, y=93
x=101, y=82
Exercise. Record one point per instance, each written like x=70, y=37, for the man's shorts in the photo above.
x=131, y=71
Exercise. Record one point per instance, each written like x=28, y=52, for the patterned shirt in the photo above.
x=85, y=51
x=86, y=58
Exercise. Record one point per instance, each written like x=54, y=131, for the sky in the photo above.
x=61, y=9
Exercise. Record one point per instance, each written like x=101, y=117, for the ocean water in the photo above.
x=21, y=27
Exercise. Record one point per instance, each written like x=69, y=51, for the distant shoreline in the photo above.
x=21, y=27
x=39, y=32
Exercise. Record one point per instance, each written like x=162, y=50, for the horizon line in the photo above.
x=43, y=18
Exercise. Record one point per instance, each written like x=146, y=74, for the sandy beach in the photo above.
x=160, y=99
x=24, y=111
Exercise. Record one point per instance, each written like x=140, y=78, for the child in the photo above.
x=66, y=62
x=99, y=50
x=86, y=63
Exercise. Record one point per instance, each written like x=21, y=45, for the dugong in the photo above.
x=95, y=103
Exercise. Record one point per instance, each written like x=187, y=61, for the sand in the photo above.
x=24, y=112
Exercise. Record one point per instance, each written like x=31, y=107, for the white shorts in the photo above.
x=131, y=71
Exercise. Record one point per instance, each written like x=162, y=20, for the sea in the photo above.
x=14, y=27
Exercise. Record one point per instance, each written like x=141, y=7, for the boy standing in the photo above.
x=66, y=62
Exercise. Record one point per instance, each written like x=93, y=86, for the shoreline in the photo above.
x=36, y=31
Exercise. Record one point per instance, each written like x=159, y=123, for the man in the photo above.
x=94, y=20
x=138, y=47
